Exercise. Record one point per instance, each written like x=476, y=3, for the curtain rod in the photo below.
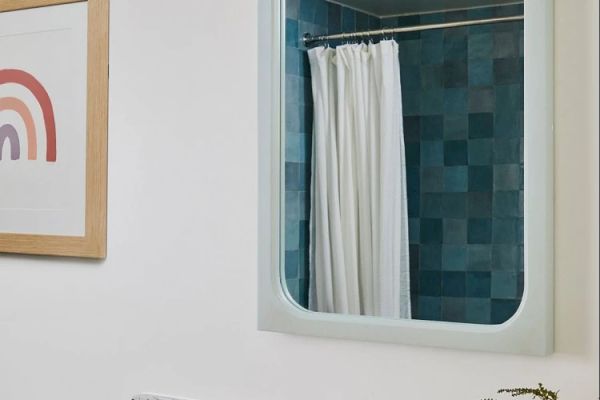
x=310, y=39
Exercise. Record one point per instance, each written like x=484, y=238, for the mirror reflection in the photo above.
x=404, y=159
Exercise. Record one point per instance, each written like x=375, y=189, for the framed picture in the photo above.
x=53, y=127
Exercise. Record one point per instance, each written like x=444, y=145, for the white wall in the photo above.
x=173, y=309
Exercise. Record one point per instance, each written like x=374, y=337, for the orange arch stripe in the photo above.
x=14, y=104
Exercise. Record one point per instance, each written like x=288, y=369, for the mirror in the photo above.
x=405, y=172
x=404, y=162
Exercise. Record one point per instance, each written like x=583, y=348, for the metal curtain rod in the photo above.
x=310, y=39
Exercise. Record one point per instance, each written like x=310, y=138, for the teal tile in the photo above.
x=432, y=101
x=432, y=127
x=412, y=129
x=507, y=204
x=456, y=126
x=455, y=47
x=455, y=231
x=481, y=152
x=482, y=100
x=432, y=76
x=432, y=179
x=479, y=231
x=430, y=283
x=481, y=178
x=508, y=125
x=507, y=151
x=503, y=310
x=292, y=206
x=479, y=257
x=431, y=231
x=456, y=179
x=505, y=45
x=453, y=309
x=504, y=284
x=292, y=235
x=430, y=308
x=411, y=77
x=413, y=154
x=410, y=52
x=481, y=72
x=454, y=205
x=507, y=177
x=432, y=51
x=291, y=264
x=432, y=153
x=456, y=100
x=414, y=230
x=478, y=311
x=481, y=125
x=431, y=257
x=294, y=289
x=456, y=74
x=479, y=284
x=505, y=257
x=508, y=71
x=481, y=46
x=431, y=205
x=506, y=231
x=453, y=284
x=454, y=257
x=509, y=98
x=479, y=205
x=456, y=153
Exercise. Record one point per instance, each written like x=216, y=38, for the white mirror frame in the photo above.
x=531, y=329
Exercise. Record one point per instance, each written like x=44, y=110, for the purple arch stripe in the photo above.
x=9, y=132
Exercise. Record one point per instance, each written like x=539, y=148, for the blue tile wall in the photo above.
x=463, y=122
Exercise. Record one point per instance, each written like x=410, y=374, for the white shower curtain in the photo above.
x=359, y=262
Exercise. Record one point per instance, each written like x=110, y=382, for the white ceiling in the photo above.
x=383, y=8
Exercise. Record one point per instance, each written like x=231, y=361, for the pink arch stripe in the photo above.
x=14, y=104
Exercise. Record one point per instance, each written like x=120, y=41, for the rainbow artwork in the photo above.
x=8, y=133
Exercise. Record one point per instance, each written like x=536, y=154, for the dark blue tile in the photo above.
x=389, y=22
x=293, y=288
x=432, y=179
x=481, y=125
x=303, y=293
x=433, y=18
x=304, y=234
x=454, y=205
x=482, y=100
x=431, y=205
x=481, y=46
x=455, y=48
x=292, y=176
x=414, y=230
x=308, y=10
x=478, y=311
x=456, y=16
x=432, y=52
x=362, y=22
x=508, y=10
x=414, y=257
x=431, y=257
x=292, y=238
x=410, y=52
x=481, y=13
x=291, y=33
x=431, y=231
x=414, y=204
x=456, y=101
x=432, y=153
x=321, y=13
x=453, y=284
x=505, y=257
x=481, y=179
x=456, y=153
x=453, y=309
x=413, y=154
x=430, y=308
x=291, y=264
x=292, y=206
x=508, y=71
x=481, y=152
x=481, y=72
x=292, y=60
x=509, y=98
x=432, y=76
x=409, y=20
x=505, y=284
x=411, y=102
x=454, y=257
x=479, y=231
x=412, y=129
x=479, y=284
x=413, y=180
x=348, y=20
x=456, y=179
x=455, y=232
x=507, y=177
x=506, y=45
x=503, y=310
x=507, y=151
x=480, y=205
x=506, y=231
x=456, y=126
x=430, y=283
x=432, y=101
x=432, y=127
x=334, y=20
x=479, y=257
x=455, y=74
x=508, y=125
x=507, y=204
x=374, y=22
x=411, y=77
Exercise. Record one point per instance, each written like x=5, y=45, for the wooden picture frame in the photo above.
x=92, y=244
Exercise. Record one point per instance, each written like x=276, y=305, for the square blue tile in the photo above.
x=479, y=231
x=508, y=71
x=456, y=126
x=509, y=98
x=505, y=257
x=453, y=309
x=456, y=179
x=481, y=72
x=414, y=230
x=481, y=152
x=507, y=204
x=454, y=205
x=479, y=284
x=432, y=179
x=334, y=17
x=413, y=154
x=291, y=264
x=455, y=231
x=481, y=46
x=431, y=231
x=506, y=231
x=432, y=127
x=456, y=153
x=294, y=289
x=410, y=52
x=291, y=33
x=431, y=205
x=430, y=308
x=453, y=284
x=413, y=180
x=292, y=9
x=508, y=125
x=432, y=101
x=308, y=10
x=481, y=179
x=478, y=311
x=506, y=45
x=430, y=257
x=455, y=47
x=456, y=74
x=479, y=205
x=507, y=177
x=456, y=100
x=454, y=257
x=432, y=76
x=482, y=99
x=412, y=129
x=481, y=125
x=348, y=20
x=479, y=257
x=432, y=153
x=507, y=151
x=430, y=283
x=411, y=77
x=504, y=284
x=432, y=51
x=292, y=206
